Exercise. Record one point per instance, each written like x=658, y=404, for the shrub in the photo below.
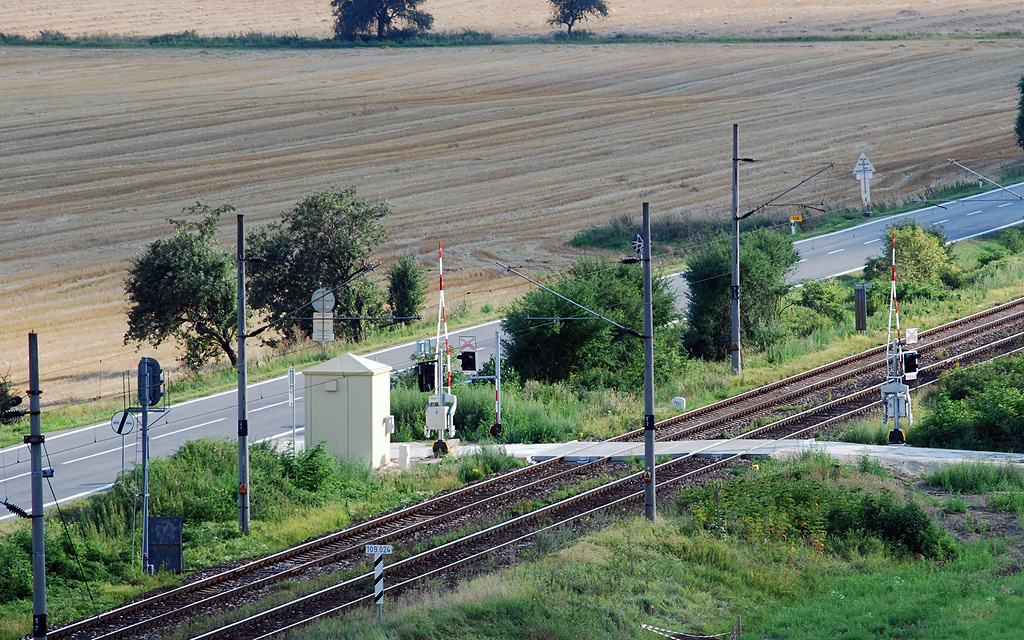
x=802, y=500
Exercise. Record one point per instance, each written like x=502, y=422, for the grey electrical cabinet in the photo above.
x=348, y=406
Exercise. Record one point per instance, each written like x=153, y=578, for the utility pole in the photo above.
x=144, y=390
x=737, y=366
x=243, y=422
x=649, y=499
x=497, y=382
x=35, y=442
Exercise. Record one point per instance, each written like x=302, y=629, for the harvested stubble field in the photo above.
x=502, y=152
x=735, y=18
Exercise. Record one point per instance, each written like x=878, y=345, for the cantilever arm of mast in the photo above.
x=572, y=302
x=769, y=203
x=952, y=161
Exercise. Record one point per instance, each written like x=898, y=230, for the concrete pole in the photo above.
x=35, y=442
x=144, y=402
x=737, y=366
x=497, y=378
x=243, y=422
x=649, y=498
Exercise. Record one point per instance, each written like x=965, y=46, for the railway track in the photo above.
x=416, y=524
x=474, y=505
x=846, y=377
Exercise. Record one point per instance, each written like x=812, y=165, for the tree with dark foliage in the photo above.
x=569, y=12
x=1019, y=127
x=354, y=19
x=321, y=243
x=406, y=288
x=183, y=287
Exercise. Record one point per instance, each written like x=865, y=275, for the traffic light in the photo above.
x=910, y=364
x=150, y=395
x=7, y=413
x=425, y=375
x=468, y=360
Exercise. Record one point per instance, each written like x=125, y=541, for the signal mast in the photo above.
x=441, y=406
x=901, y=366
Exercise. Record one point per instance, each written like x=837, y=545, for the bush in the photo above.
x=981, y=408
x=902, y=524
x=803, y=500
x=1012, y=239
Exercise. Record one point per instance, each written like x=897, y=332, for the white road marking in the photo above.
x=941, y=221
x=1005, y=205
x=831, y=252
x=974, y=212
x=270, y=406
x=195, y=426
x=20, y=475
x=873, y=241
x=92, y=455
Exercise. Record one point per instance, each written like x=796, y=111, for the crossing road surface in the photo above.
x=87, y=460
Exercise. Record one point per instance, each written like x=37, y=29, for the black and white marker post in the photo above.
x=378, y=551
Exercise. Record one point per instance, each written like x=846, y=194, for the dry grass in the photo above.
x=503, y=153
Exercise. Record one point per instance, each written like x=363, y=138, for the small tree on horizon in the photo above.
x=569, y=12
x=1019, y=127
x=378, y=18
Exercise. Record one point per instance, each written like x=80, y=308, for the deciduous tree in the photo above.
x=379, y=18
x=183, y=287
x=924, y=262
x=321, y=243
x=406, y=288
x=589, y=351
x=1019, y=127
x=569, y=12
x=765, y=259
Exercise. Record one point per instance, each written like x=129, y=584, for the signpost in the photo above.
x=123, y=423
x=864, y=170
x=323, y=317
x=378, y=551
x=792, y=223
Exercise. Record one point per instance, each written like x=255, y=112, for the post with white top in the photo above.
x=378, y=551
x=291, y=403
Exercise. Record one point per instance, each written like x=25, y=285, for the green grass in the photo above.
x=866, y=431
x=977, y=477
x=687, y=576
x=298, y=497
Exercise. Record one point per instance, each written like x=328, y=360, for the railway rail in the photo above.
x=967, y=339
x=861, y=372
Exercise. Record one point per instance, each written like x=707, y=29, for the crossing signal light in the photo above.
x=910, y=364
x=425, y=375
x=468, y=360
x=151, y=382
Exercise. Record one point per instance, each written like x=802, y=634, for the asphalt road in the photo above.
x=87, y=460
